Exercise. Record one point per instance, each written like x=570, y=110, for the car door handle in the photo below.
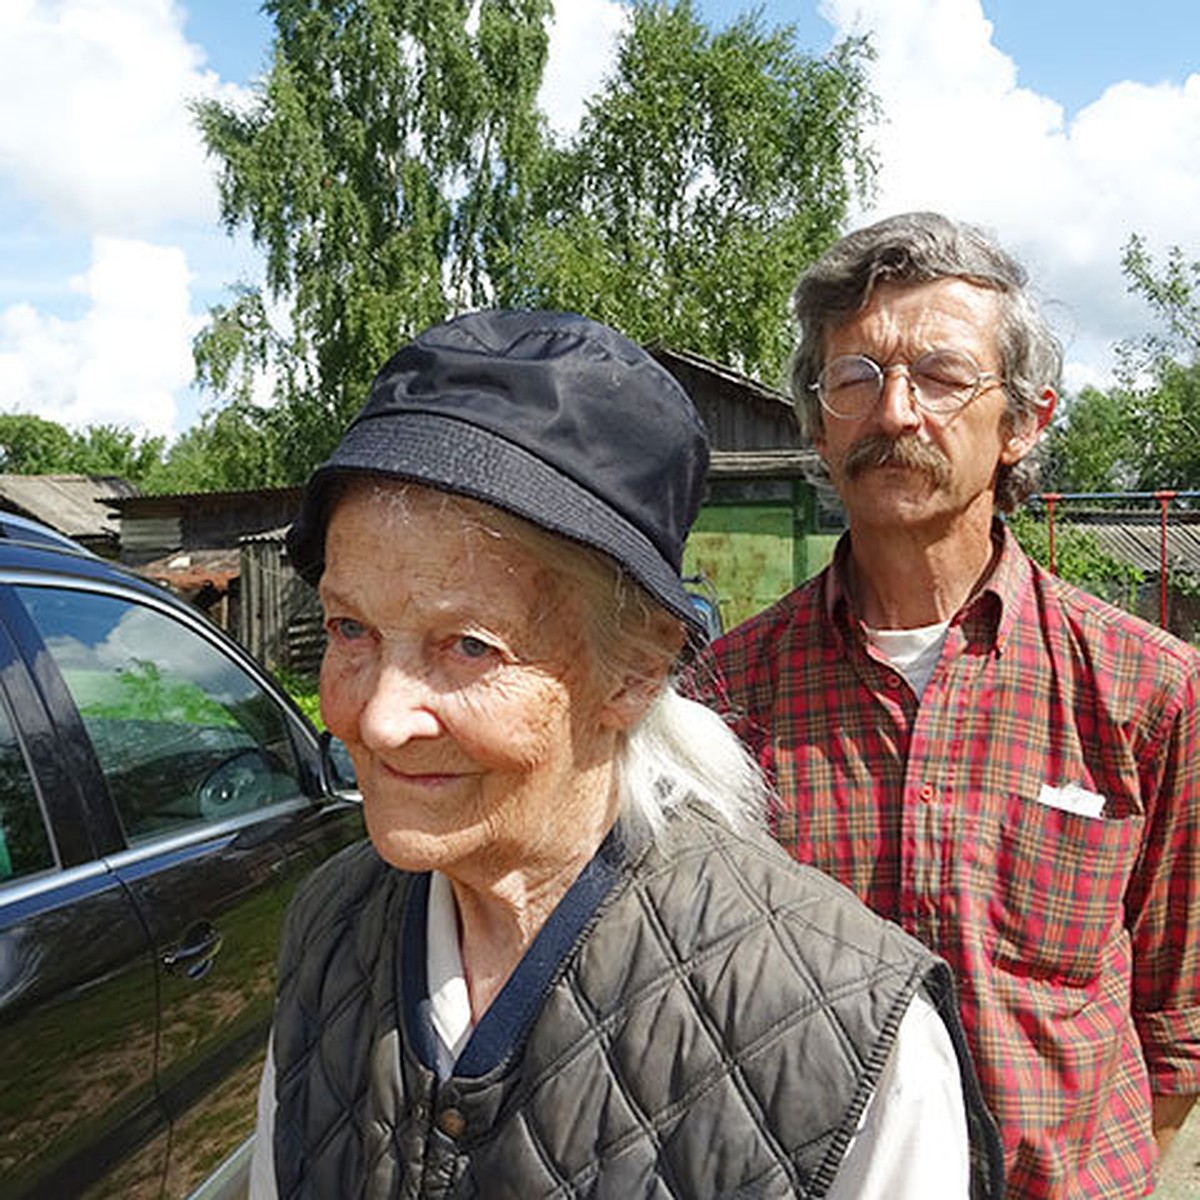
x=193, y=957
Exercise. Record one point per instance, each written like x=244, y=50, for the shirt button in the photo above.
x=893, y=681
x=452, y=1123
x=927, y=793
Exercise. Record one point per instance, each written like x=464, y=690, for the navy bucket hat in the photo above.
x=551, y=416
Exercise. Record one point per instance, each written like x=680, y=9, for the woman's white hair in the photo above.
x=680, y=750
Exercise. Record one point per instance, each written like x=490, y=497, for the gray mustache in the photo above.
x=878, y=450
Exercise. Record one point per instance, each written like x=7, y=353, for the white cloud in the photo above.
x=123, y=362
x=582, y=47
x=98, y=146
x=94, y=124
x=96, y=138
x=960, y=136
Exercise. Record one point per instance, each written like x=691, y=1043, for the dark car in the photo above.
x=160, y=798
x=703, y=594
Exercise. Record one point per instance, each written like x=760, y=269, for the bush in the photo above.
x=303, y=690
x=1078, y=556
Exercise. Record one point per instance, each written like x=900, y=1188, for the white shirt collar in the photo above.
x=449, y=1004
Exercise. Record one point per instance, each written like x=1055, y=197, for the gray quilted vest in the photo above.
x=716, y=1031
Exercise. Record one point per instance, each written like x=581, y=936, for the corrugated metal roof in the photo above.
x=1140, y=543
x=192, y=569
x=73, y=504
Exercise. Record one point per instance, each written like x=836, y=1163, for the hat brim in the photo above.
x=455, y=456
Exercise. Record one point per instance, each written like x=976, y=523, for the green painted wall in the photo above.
x=755, y=552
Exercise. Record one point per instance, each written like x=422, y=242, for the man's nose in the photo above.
x=897, y=410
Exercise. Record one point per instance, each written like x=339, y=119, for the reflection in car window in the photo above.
x=24, y=845
x=182, y=733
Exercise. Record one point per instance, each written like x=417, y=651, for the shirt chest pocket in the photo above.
x=1051, y=884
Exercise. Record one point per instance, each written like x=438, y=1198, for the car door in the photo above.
x=213, y=783
x=78, y=1002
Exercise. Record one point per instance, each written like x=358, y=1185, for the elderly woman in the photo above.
x=569, y=962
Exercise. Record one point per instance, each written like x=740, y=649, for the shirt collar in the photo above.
x=986, y=618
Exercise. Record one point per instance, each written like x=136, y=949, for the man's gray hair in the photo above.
x=921, y=247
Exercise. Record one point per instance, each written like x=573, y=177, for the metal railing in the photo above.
x=1173, y=511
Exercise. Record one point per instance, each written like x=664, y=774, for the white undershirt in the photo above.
x=913, y=652
x=911, y=1143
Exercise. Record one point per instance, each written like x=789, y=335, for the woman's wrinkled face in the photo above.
x=457, y=674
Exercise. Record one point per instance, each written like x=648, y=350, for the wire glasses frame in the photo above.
x=941, y=381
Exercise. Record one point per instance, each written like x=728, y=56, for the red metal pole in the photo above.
x=1164, y=499
x=1051, y=498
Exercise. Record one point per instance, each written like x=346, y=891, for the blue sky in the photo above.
x=1064, y=126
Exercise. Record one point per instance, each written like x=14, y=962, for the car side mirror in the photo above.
x=239, y=785
x=337, y=768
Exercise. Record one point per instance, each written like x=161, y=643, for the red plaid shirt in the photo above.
x=1076, y=940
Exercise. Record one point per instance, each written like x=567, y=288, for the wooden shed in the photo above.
x=80, y=506
x=764, y=526
x=191, y=542
x=279, y=617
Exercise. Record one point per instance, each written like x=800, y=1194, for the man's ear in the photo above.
x=1024, y=436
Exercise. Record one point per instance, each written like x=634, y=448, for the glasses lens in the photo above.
x=944, y=379
x=850, y=385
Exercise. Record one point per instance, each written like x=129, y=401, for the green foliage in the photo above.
x=707, y=171
x=1144, y=433
x=1173, y=293
x=142, y=694
x=231, y=448
x=115, y=450
x=35, y=446
x=1093, y=445
x=1078, y=557
x=303, y=689
x=387, y=151
x=394, y=168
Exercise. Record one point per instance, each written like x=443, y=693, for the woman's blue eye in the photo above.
x=345, y=628
x=473, y=647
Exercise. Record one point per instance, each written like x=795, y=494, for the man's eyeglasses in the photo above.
x=940, y=381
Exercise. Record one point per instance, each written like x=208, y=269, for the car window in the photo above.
x=182, y=733
x=24, y=844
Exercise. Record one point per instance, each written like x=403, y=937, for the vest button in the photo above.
x=452, y=1123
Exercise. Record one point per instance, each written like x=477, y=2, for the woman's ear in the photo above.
x=645, y=674
x=629, y=702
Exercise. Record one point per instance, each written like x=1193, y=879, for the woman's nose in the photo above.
x=398, y=708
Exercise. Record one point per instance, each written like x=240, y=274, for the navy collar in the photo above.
x=509, y=1017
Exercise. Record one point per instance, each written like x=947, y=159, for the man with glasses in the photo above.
x=1004, y=765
